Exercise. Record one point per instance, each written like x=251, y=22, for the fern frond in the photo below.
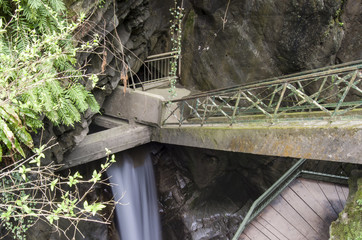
x=45, y=97
x=92, y=102
x=31, y=119
x=31, y=97
x=57, y=5
x=29, y=13
x=53, y=116
x=68, y=113
x=78, y=94
x=73, y=112
x=5, y=6
x=35, y=4
x=55, y=88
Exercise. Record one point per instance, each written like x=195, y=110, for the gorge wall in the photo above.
x=224, y=43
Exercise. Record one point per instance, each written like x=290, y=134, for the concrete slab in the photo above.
x=109, y=122
x=338, y=141
x=164, y=92
x=134, y=105
x=115, y=139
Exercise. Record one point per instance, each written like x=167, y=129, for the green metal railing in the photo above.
x=330, y=93
x=268, y=196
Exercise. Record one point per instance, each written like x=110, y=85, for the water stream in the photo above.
x=134, y=185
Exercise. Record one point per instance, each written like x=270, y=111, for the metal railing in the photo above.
x=268, y=196
x=327, y=93
x=157, y=69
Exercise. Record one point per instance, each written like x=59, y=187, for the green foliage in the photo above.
x=30, y=192
x=38, y=72
x=40, y=78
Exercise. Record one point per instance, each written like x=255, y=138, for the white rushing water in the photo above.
x=137, y=217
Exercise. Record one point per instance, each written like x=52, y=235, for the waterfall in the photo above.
x=134, y=185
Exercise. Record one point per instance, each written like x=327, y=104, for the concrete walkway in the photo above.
x=320, y=140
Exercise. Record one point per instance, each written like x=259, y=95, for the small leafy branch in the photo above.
x=30, y=192
x=38, y=72
x=176, y=35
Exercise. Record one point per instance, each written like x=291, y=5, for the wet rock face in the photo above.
x=352, y=24
x=204, y=194
x=258, y=39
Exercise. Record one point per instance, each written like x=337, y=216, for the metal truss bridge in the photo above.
x=331, y=93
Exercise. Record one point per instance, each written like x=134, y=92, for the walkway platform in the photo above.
x=320, y=140
x=303, y=211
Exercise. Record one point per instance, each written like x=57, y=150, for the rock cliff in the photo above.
x=232, y=42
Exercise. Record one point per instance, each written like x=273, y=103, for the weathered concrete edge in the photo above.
x=336, y=143
x=115, y=139
x=134, y=105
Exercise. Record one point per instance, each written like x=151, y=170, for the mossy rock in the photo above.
x=348, y=226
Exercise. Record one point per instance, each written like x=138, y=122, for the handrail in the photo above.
x=270, y=194
x=157, y=69
x=305, y=75
x=334, y=91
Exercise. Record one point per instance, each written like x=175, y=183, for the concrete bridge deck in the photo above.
x=320, y=140
x=315, y=114
x=303, y=211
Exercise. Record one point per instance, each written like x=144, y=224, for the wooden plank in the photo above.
x=310, y=192
x=254, y=233
x=311, y=217
x=346, y=192
x=244, y=237
x=279, y=222
x=330, y=192
x=341, y=195
x=264, y=230
x=293, y=217
x=272, y=229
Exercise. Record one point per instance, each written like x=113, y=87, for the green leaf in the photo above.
x=23, y=171
x=74, y=179
x=9, y=134
x=24, y=136
x=6, y=215
x=93, y=208
x=96, y=176
x=5, y=140
x=53, y=183
x=52, y=217
x=108, y=152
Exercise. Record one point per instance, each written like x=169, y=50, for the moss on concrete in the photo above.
x=348, y=226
